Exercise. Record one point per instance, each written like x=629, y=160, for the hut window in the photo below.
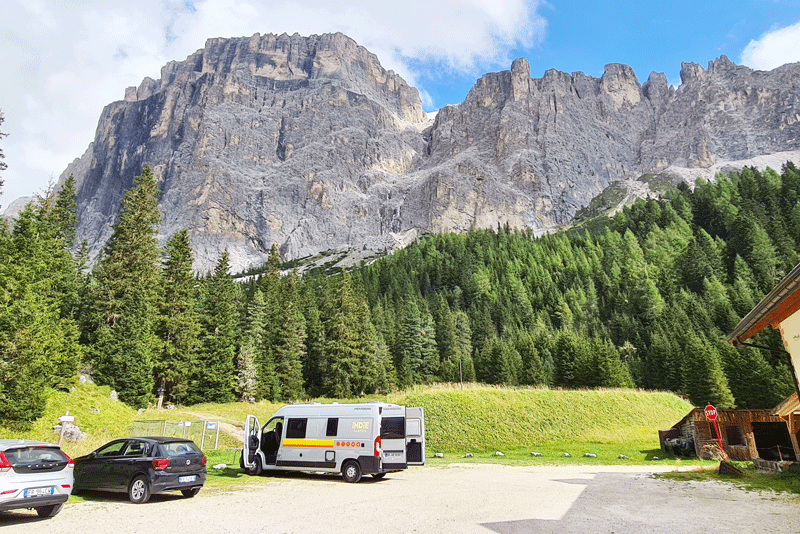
x=734, y=435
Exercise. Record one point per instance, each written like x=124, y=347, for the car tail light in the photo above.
x=8, y=492
x=160, y=464
x=65, y=486
x=378, y=446
x=70, y=461
x=4, y=464
x=204, y=460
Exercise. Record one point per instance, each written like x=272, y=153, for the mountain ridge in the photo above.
x=307, y=142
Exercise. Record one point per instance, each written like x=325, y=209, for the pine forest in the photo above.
x=643, y=299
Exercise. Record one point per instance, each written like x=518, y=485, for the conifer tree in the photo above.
x=315, y=343
x=750, y=377
x=179, y=324
x=122, y=314
x=446, y=341
x=409, y=345
x=567, y=358
x=610, y=371
x=290, y=343
x=267, y=350
x=703, y=378
x=752, y=243
x=213, y=377
x=247, y=371
x=532, y=372
x=464, y=346
x=355, y=360
x=38, y=335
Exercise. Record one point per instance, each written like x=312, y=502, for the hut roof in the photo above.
x=779, y=304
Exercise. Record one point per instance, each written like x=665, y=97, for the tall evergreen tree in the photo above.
x=274, y=315
x=38, y=335
x=703, y=378
x=213, y=377
x=356, y=361
x=122, y=316
x=247, y=370
x=179, y=324
x=315, y=343
x=290, y=343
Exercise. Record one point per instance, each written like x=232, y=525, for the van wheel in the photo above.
x=351, y=471
x=49, y=511
x=378, y=476
x=256, y=469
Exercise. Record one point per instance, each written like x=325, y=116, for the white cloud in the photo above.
x=63, y=60
x=773, y=49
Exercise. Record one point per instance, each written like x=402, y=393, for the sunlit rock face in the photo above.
x=308, y=143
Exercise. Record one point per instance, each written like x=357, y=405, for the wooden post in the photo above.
x=793, y=424
x=63, y=426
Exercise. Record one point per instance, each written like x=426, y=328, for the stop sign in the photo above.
x=711, y=412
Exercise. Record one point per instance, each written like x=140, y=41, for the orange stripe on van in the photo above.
x=307, y=443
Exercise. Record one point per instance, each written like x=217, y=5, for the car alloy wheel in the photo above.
x=138, y=491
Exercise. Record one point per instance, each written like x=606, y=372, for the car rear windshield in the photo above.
x=180, y=448
x=36, y=459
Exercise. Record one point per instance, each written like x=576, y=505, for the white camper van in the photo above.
x=352, y=439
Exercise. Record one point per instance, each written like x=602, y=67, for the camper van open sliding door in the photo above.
x=415, y=436
x=252, y=441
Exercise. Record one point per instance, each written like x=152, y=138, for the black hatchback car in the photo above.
x=143, y=466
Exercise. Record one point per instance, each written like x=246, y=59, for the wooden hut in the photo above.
x=780, y=309
x=745, y=434
x=789, y=411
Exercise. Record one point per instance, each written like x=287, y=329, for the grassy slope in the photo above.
x=480, y=418
x=477, y=419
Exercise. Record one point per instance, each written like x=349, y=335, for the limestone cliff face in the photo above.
x=282, y=139
x=538, y=149
x=307, y=142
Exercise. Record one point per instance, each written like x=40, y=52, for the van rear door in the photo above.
x=393, y=437
x=252, y=442
x=415, y=436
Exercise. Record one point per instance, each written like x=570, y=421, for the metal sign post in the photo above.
x=711, y=415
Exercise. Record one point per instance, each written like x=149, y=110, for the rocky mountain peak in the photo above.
x=620, y=84
x=308, y=143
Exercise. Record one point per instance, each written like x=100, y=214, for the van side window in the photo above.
x=333, y=426
x=296, y=428
x=393, y=428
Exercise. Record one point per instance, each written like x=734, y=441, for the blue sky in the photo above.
x=648, y=36
x=64, y=60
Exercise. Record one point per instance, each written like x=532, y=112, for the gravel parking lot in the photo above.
x=458, y=499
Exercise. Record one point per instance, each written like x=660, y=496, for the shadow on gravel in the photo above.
x=636, y=502
x=333, y=477
x=115, y=497
x=21, y=517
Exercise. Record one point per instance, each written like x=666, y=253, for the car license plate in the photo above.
x=184, y=480
x=38, y=492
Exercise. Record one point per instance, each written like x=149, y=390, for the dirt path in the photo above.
x=234, y=431
x=457, y=498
